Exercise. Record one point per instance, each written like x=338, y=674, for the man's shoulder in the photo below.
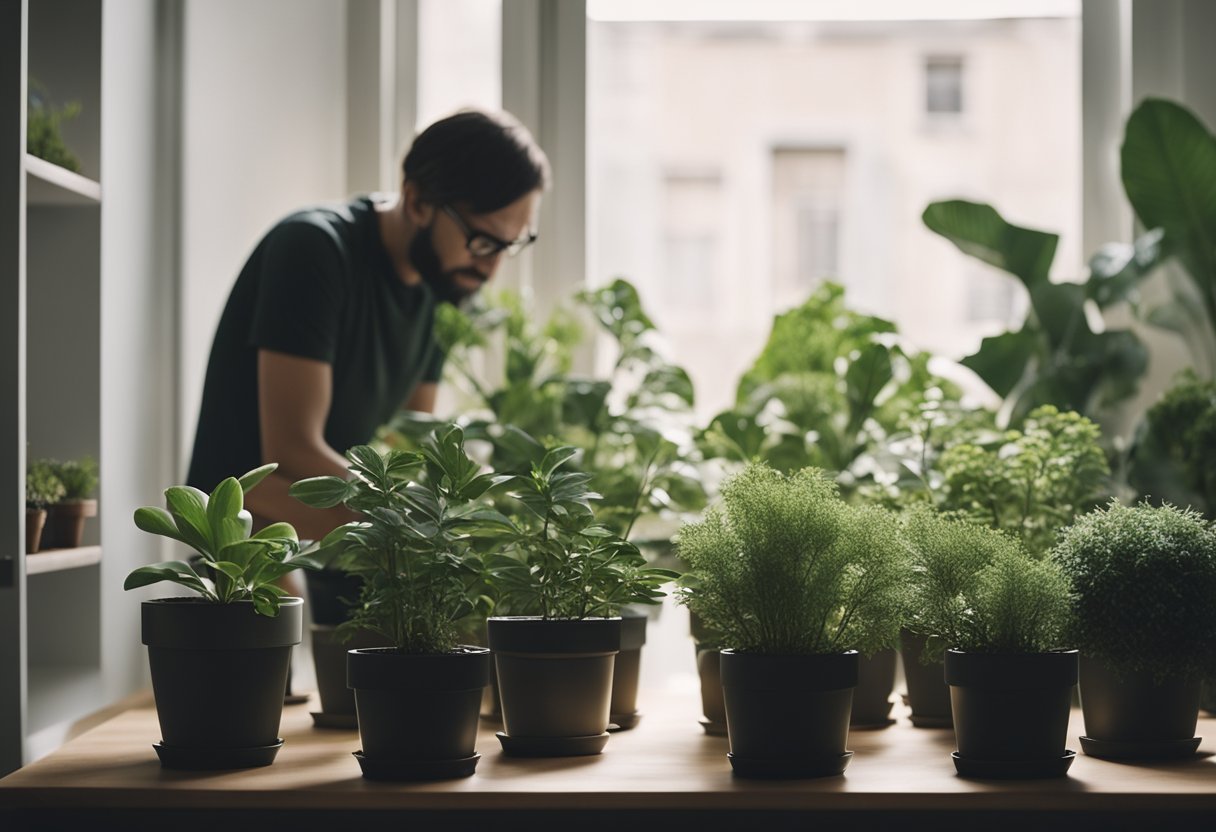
x=337, y=224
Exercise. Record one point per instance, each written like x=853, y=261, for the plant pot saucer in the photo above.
x=921, y=721
x=714, y=729
x=871, y=726
x=345, y=722
x=406, y=770
x=623, y=722
x=552, y=746
x=1013, y=769
x=797, y=767
x=215, y=759
x=1145, y=750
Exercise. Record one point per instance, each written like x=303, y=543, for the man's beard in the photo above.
x=442, y=284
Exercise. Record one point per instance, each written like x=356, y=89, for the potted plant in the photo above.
x=42, y=490
x=797, y=583
x=417, y=699
x=1001, y=616
x=65, y=519
x=220, y=661
x=569, y=576
x=1144, y=617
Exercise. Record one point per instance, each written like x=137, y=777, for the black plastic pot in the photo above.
x=331, y=594
x=329, y=659
x=1207, y=699
x=555, y=683
x=1011, y=712
x=623, y=712
x=1132, y=716
x=418, y=714
x=219, y=672
x=928, y=693
x=872, y=697
x=788, y=716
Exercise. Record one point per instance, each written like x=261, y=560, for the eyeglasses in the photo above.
x=481, y=244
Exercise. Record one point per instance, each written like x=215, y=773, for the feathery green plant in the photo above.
x=977, y=589
x=785, y=566
x=1143, y=589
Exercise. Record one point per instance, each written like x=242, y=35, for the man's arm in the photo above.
x=294, y=395
x=423, y=397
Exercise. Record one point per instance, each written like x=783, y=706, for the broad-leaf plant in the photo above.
x=234, y=564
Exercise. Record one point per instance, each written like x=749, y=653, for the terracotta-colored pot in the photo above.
x=65, y=523
x=35, y=518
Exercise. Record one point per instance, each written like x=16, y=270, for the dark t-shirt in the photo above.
x=319, y=285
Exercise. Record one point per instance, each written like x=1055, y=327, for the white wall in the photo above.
x=264, y=133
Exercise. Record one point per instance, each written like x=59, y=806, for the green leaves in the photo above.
x=977, y=589
x=414, y=546
x=1054, y=357
x=218, y=528
x=978, y=230
x=321, y=492
x=1029, y=483
x=1169, y=174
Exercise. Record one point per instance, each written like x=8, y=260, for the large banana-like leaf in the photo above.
x=978, y=230
x=1169, y=174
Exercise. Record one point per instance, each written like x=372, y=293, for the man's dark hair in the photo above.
x=482, y=159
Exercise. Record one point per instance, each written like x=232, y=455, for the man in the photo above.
x=328, y=330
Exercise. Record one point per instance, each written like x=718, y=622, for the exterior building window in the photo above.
x=944, y=86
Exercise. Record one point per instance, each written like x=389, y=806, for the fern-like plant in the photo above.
x=785, y=566
x=976, y=589
x=1143, y=589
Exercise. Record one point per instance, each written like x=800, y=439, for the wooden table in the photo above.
x=664, y=771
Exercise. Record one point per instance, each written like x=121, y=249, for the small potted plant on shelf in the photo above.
x=65, y=520
x=418, y=700
x=220, y=661
x=1001, y=616
x=796, y=583
x=1144, y=618
x=42, y=490
x=570, y=577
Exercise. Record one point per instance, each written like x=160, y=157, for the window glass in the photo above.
x=459, y=56
x=735, y=163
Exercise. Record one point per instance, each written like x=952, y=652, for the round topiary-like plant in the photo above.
x=1143, y=589
x=787, y=567
x=977, y=589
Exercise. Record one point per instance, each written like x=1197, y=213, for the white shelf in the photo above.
x=48, y=184
x=57, y=560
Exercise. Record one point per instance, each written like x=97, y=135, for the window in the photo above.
x=944, y=86
x=814, y=126
x=808, y=188
x=459, y=56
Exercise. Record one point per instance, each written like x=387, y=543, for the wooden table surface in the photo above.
x=665, y=763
